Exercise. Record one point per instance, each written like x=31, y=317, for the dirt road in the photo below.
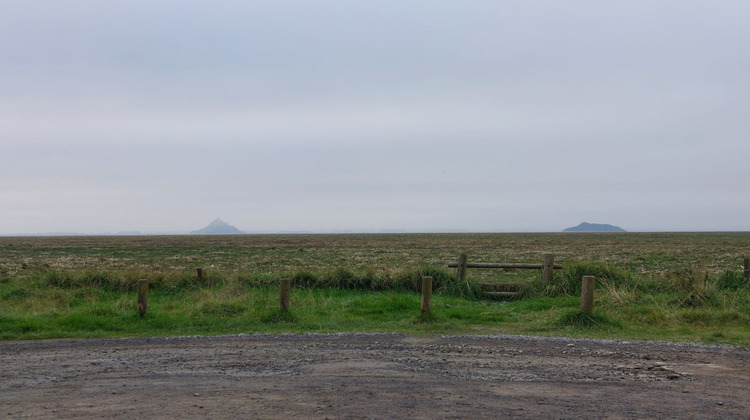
x=371, y=376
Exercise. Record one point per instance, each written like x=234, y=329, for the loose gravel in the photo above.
x=358, y=375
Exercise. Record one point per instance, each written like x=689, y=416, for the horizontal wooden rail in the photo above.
x=504, y=265
x=547, y=268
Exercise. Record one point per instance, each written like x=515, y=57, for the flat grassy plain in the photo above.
x=664, y=286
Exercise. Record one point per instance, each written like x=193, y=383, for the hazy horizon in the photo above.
x=409, y=115
x=323, y=232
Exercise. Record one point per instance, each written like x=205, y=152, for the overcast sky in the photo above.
x=371, y=115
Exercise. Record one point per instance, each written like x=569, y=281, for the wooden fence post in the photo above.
x=284, y=286
x=199, y=271
x=461, y=270
x=587, y=294
x=142, y=297
x=426, y=294
x=747, y=269
x=549, y=266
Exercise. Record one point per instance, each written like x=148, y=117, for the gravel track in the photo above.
x=356, y=375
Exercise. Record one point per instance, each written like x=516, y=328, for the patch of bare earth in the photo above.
x=371, y=376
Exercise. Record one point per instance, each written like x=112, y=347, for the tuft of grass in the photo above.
x=580, y=319
x=732, y=280
x=444, y=282
x=279, y=317
x=426, y=318
x=688, y=279
x=410, y=280
x=710, y=317
x=694, y=288
x=567, y=281
x=645, y=315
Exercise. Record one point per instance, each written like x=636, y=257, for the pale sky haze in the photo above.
x=415, y=115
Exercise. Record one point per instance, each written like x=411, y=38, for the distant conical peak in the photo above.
x=217, y=226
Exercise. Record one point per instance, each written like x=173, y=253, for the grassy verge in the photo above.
x=684, y=305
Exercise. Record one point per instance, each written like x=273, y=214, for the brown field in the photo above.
x=643, y=254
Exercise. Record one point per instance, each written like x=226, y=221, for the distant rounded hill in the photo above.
x=594, y=227
x=217, y=227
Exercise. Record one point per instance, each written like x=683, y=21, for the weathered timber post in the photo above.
x=426, y=294
x=549, y=266
x=747, y=269
x=142, y=297
x=461, y=270
x=587, y=294
x=284, y=286
x=199, y=271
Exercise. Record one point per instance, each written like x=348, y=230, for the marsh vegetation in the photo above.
x=667, y=286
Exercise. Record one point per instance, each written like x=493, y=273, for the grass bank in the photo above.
x=690, y=304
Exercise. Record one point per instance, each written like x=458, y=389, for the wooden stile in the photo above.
x=547, y=268
x=511, y=266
